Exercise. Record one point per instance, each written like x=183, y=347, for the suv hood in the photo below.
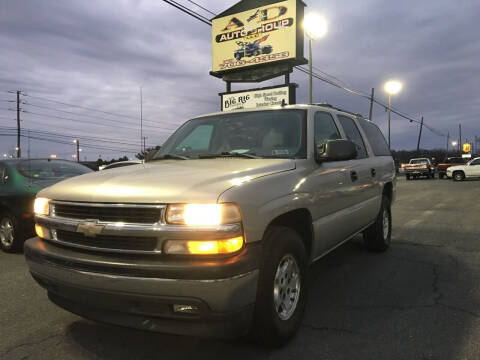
x=166, y=181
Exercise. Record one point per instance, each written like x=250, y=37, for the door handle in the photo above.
x=353, y=175
x=373, y=172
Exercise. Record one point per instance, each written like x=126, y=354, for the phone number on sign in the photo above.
x=232, y=63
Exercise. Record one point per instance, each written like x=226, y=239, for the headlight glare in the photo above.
x=202, y=214
x=41, y=206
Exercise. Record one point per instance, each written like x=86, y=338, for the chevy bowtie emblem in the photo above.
x=90, y=229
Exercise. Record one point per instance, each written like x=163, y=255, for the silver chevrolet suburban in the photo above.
x=215, y=234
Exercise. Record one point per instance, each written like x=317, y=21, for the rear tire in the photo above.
x=408, y=177
x=10, y=237
x=282, y=287
x=458, y=176
x=379, y=235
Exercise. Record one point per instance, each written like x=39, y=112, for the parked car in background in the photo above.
x=448, y=162
x=215, y=234
x=120, y=164
x=419, y=167
x=462, y=172
x=20, y=180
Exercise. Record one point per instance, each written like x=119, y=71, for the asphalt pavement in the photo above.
x=419, y=300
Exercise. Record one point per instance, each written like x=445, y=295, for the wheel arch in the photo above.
x=299, y=220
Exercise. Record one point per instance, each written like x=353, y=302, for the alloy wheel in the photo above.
x=6, y=232
x=286, y=289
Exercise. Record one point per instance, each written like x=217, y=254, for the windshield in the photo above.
x=272, y=134
x=418, y=161
x=50, y=169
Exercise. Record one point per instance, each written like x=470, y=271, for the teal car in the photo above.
x=20, y=180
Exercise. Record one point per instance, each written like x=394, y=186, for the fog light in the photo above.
x=43, y=232
x=186, y=309
x=203, y=247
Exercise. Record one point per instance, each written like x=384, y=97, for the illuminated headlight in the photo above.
x=203, y=247
x=41, y=206
x=202, y=214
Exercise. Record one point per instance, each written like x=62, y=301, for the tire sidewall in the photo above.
x=279, y=241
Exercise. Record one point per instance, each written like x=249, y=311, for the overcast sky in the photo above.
x=97, y=53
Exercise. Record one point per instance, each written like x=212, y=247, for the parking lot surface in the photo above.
x=419, y=300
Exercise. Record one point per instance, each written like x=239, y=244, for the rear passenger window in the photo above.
x=353, y=134
x=325, y=128
x=375, y=138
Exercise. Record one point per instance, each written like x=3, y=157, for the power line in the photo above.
x=188, y=11
x=201, y=7
x=82, y=115
x=93, y=109
x=70, y=136
x=90, y=122
x=89, y=146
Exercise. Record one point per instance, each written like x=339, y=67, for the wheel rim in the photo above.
x=458, y=176
x=386, y=224
x=286, y=289
x=6, y=232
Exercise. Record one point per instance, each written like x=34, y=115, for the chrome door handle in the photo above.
x=373, y=172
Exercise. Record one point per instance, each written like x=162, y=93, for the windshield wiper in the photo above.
x=230, y=154
x=172, y=156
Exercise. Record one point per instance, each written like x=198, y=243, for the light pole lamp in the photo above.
x=391, y=87
x=315, y=27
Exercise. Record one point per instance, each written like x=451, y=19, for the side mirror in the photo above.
x=336, y=150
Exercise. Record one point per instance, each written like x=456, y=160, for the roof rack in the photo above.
x=342, y=110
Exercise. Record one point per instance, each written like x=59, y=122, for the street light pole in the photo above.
x=310, y=98
x=391, y=87
x=315, y=27
x=389, y=118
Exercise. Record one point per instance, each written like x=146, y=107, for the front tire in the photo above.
x=379, y=235
x=282, y=287
x=10, y=239
x=458, y=176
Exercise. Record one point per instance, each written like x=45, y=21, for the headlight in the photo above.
x=41, y=206
x=202, y=214
x=206, y=247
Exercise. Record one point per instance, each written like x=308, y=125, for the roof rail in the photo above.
x=342, y=110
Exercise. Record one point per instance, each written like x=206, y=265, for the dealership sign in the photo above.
x=260, y=98
x=257, y=36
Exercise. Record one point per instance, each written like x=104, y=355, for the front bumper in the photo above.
x=140, y=291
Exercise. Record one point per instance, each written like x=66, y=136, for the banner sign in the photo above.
x=258, y=36
x=257, y=99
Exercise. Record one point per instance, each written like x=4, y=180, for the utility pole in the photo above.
x=19, y=151
x=419, y=137
x=144, y=143
x=372, y=98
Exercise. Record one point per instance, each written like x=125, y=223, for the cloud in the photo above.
x=98, y=54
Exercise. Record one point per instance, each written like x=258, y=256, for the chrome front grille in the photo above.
x=109, y=213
